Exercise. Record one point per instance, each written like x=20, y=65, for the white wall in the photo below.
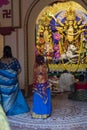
x=12, y=41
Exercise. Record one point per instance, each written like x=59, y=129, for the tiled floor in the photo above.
x=66, y=115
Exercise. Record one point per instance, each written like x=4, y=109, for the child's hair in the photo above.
x=39, y=59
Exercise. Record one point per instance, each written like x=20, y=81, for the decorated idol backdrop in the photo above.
x=61, y=36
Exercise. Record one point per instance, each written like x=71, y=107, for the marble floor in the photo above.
x=66, y=115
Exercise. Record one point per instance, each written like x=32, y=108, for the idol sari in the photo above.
x=11, y=97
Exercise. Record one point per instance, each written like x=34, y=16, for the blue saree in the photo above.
x=40, y=108
x=11, y=97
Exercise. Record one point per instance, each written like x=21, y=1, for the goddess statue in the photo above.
x=71, y=29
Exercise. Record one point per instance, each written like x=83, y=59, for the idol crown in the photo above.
x=70, y=14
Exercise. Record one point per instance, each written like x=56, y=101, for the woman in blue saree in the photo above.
x=42, y=106
x=11, y=97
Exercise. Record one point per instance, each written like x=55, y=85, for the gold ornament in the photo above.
x=70, y=15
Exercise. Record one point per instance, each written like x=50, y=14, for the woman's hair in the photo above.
x=7, y=53
x=81, y=77
x=39, y=59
